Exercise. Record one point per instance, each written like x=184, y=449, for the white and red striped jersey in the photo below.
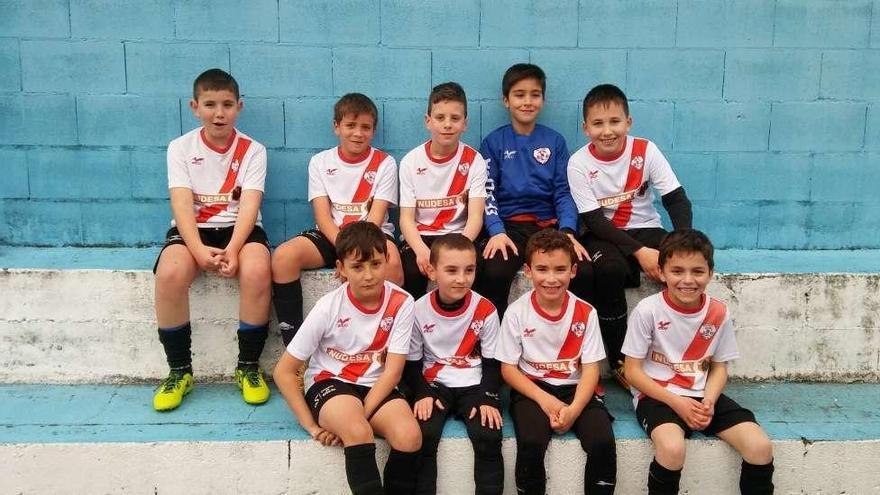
x=351, y=186
x=622, y=187
x=678, y=345
x=439, y=188
x=216, y=176
x=547, y=347
x=343, y=340
x=451, y=344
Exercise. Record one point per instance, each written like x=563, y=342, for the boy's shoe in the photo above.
x=254, y=389
x=620, y=376
x=172, y=390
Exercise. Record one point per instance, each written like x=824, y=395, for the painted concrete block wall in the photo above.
x=769, y=110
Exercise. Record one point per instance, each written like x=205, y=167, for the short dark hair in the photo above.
x=687, y=241
x=548, y=240
x=215, y=80
x=454, y=241
x=357, y=104
x=605, y=94
x=518, y=72
x=362, y=239
x=448, y=91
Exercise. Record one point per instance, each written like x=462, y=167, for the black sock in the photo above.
x=613, y=331
x=756, y=479
x=401, y=472
x=662, y=481
x=288, y=301
x=177, y=342
x=361, y=469
x=251, y=339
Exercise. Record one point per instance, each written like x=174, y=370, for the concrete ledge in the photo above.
x=67, y=326
x=826, y=436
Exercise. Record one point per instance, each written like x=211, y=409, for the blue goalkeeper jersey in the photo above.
x=527, y=176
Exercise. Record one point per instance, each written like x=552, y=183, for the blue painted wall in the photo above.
x=768, y=110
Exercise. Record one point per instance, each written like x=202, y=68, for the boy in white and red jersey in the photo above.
x=215, y=180
x=347, y=183
x=677, y=348
x=442, y=185
x=451, y=366
x=356, y=339
x=550, y=347
x=611, y=180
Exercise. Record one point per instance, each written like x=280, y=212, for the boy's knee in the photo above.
x=255, y=277
x=486, y=442
x=407, y=438
x=357, y=432
x=670, y=452
x=173, y=279
x=284, y=256
x=758, y=451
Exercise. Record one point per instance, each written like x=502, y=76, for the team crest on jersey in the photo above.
x=477, y=327
x=528, y=332
x=578, y=328
x=542, y=155
x=637, y=163
x=663, y=325
x=463, y=168
x=708, y=330
x=370, y=176
x=386, y=323
x=235, y=165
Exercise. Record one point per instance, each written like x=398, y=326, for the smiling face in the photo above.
x=686, y=275
x=446, y=122
x=550, y=273
x=607, y=126
x=218, y=111
x=355, y=133
x=524, y=102
x=454, y=273
x=366, y=277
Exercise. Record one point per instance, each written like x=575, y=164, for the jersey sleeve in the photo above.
x=639, y=333
x=254, y=177
x=727, y=349
x=509, y=347
x=178, y=173
x=407, y=188
x=566, y=211
x=310, y=333
x=416, y=343
x=401, y=332
x=316, y=184
x=489, y=336
x=478, y=177
x=662, y=177
x=592, y=348
x=386, y=181
x=579, y=185
x=491, y=220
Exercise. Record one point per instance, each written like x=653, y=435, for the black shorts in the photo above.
x=565, y=393
x=217, y=237
x=652, y=413
x=319, y=393
x=325, y=247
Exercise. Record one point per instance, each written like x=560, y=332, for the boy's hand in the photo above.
x=551, y=407
x=708, y=410
x=423, y=408
x=228, y=266
x=649, y=258
x=489, y=416
x=691, y=412
x=499, y=242
x=579, y=249
x=208, y=258
x=423, y=258
x=323, y=436
x=564, y=419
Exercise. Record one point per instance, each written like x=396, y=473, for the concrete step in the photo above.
x=826, y=438
x=71, y=325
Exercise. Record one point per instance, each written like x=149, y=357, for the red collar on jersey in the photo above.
x=449, y=314
x=214, y=148
x=439, y=159
x=363, y=156
x=606, y=159
x=679, y=309
x=546, y=315
x=360, y=307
